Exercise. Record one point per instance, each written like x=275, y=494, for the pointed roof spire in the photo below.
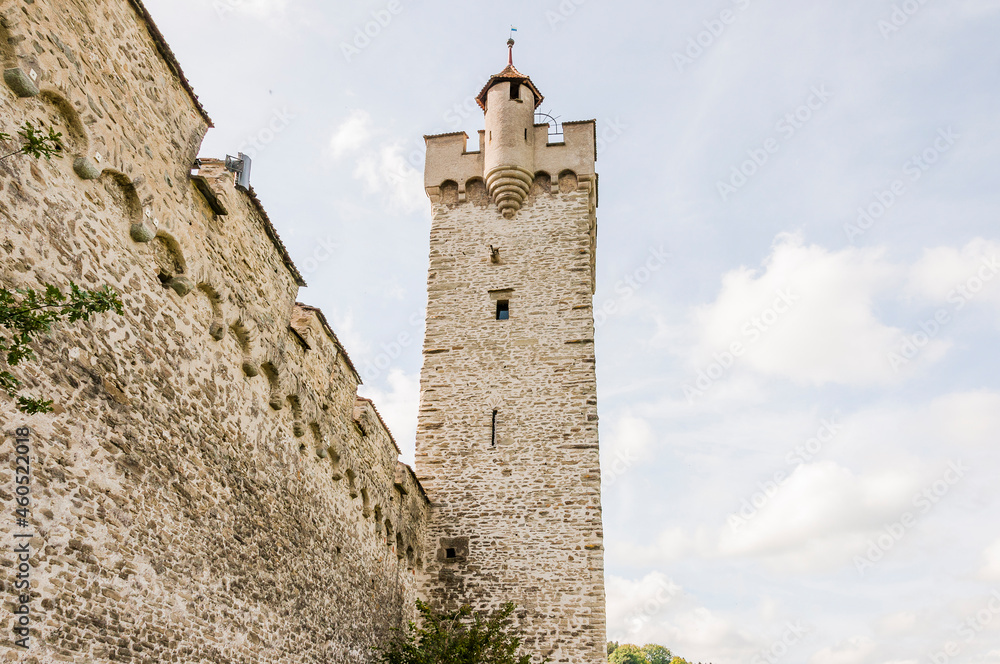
x=509, y=74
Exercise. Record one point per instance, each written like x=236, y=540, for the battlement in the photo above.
x=450, y=167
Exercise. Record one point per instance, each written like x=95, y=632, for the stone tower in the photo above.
x=507, y=444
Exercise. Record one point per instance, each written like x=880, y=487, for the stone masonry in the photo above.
x=210, y=487
x=507, y=443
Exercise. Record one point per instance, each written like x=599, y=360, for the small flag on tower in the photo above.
x=512, y=31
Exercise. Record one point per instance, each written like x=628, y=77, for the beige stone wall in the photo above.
x=210, y=488
x=521, y=518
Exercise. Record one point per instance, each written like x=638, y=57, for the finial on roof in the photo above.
x=510, y=52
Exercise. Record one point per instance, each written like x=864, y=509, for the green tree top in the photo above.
x=628, y=654
x=652, y=653
x=656, y=654
x=458, y=637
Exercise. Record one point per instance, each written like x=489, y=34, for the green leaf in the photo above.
x=25, y=313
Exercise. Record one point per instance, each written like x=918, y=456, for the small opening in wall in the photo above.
x=493, y=436
x=503, y=309
x=515, y=90
x=449, y=553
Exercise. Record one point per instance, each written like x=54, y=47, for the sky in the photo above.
x=798, y=292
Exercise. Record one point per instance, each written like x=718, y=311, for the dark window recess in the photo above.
x=493, y=436
x=449, y=553
x=525, y=134
x=515, y=90
x=503, y=309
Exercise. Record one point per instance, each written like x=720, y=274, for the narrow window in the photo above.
x=515, y=90
x=525, y=134
x=503, y=309
x=493, y=436
x=449, y=553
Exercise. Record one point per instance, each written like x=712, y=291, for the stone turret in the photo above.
x=509, y=100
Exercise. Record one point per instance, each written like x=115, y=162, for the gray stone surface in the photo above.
x=19, y=82
x=181, y=508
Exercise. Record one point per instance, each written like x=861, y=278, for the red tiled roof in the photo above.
x=510, y=73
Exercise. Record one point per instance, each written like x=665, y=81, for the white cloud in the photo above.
x=950, y=275
x=991, y=569
x=352, y=134
x=386, y=171
x=655, y=609
x=979, y=9
x=820, y=516
x=900, y=623
x=355, y=343
x=808, y=316
x=967, y=419
x=831, y=505
x=398, y=403
x=628, y=442
x=852, y=651
x=382, y=165
x=257, y=8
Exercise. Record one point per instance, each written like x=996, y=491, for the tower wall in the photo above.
x=516, y=511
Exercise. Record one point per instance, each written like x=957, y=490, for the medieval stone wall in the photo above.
x=210, y=488
x=507, y=439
